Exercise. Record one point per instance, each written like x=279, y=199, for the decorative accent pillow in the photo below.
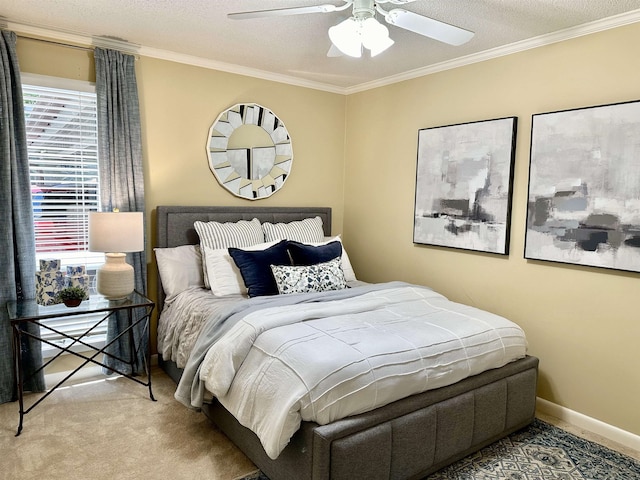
x=240, y=234
x=306, y=231
x=311, y=278
x=223, y=273
x=303, y=254
x=179, y=268
x=349, y=274
x=255, y=267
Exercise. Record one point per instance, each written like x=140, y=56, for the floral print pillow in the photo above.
x=312, y=278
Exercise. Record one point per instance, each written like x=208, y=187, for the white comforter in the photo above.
x=325, y=361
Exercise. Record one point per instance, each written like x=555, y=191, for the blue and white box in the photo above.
x=78, y=280
x=48, y=285
x=50, y=264
x=76, y=270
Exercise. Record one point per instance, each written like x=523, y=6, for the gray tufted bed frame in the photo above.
x=407, y=439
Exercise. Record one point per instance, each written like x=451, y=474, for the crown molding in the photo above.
x=79, y=39
x=83, y=40
x=517, y=47
x=237, y=69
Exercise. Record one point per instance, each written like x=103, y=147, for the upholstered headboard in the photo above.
x=174, y=224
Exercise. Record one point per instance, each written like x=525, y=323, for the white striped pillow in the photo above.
x=215, y=235
x=304, y=231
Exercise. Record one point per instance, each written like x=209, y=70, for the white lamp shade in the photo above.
x=375, y=36
x=346, y=37
x=352, y=34
x=116, y=232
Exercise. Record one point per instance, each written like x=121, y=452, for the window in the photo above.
x=62, y=146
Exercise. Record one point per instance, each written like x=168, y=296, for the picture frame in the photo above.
x=464, y=179
x=584, y=187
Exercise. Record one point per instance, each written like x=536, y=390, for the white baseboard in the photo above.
x=590, y=424
x=85, y=374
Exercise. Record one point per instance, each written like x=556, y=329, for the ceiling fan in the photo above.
x=363, y=30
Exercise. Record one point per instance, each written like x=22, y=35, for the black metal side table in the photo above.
x=23, y=311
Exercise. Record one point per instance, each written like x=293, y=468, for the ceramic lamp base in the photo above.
x=115, y=278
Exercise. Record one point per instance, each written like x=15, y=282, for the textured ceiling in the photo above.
x=296, y=46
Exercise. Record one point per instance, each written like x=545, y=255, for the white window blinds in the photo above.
x=63, y=164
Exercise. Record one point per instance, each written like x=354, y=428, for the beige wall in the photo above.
x=583, y=323
x=179, y=103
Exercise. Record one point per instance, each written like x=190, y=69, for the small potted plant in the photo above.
x=72, y=296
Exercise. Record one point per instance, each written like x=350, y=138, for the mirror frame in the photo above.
x=222, y=129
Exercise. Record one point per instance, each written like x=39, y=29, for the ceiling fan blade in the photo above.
x=279, y=12
x=428, y=27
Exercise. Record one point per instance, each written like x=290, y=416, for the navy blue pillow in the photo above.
x=304, y=255
x=255, y=267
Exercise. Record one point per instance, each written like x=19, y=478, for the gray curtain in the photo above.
x=121, y=176
x=17, y=251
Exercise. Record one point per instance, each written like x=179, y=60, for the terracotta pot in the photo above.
x=73, y=302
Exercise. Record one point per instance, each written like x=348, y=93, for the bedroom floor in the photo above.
x=110, y=429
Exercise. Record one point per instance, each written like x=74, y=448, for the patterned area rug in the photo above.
x=538, y=452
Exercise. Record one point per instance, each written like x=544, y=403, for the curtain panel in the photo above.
x=17, y=255
x=121, y=178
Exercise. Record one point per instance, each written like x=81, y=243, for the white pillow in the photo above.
x=303, y=231
x=215, y=235
x=320, y=277
x=349, y=274
x=223, y=273
x=179, y=268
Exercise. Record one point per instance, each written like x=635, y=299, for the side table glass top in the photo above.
x=28, y=309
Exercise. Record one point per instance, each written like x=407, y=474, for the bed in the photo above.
x=408, y=438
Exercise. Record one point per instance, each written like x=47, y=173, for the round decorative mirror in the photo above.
x=249, y=151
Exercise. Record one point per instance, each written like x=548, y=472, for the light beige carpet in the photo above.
x=111, y=430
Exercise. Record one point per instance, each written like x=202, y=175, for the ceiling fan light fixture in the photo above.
x=375, y=36
x=381, y=46
x=353, y=33
x=346, y=37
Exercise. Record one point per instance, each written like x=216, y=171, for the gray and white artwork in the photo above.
x=463, y=185
x=584, y=187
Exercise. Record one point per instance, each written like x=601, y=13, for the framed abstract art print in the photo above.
x=463, y=185
x=584, y=187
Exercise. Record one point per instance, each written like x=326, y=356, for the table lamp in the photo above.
x=116, y=233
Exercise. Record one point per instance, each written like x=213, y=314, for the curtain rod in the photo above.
x=68, y=45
